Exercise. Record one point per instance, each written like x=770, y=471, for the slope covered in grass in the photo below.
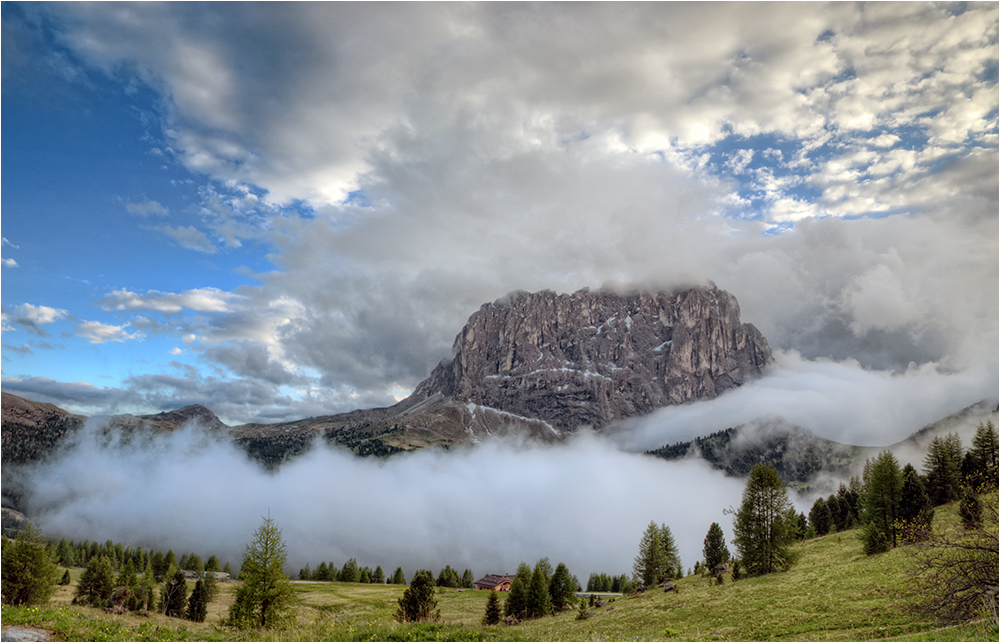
x=833, y=592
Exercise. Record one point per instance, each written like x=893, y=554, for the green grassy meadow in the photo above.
x=833, y=593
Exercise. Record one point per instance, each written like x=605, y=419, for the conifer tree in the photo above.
x=539, y=602
x=398, y=578
x=468, y=579
x=265, y=596
x=672, y=567
x=493, y=612
x=915, y=510
x=97, y=582
x=159, y=566
x=883, y=493
x=650, y=563
x=28, y=569
x=561, y=588
x=350, y=572
x=714, y=549
x=378, y=576
x=762, y=533
x=516, y=605
x=819, y=517
x=212, y=564
x=174, y=595
x=983, y=456
x=65, y=554
x=197, y=608
x=943, y=468
x=418, y=602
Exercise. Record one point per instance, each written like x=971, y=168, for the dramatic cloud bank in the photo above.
x=388, y=169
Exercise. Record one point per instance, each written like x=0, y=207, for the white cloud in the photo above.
x=321, y=97
x=189, y=237
x=99, y=333
x=147, y=209
x=9, y=263
x=202, y=300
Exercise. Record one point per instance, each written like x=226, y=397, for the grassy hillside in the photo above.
x=833, y=593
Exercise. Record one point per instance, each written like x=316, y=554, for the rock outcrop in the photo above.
x=590, y=358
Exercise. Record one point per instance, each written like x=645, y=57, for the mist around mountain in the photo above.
x=491, y=415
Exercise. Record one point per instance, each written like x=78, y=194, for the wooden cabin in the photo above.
x=495, y=582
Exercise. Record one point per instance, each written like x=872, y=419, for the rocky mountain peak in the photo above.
x=589, y=358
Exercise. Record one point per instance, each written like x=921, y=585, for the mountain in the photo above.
x=30, y=430
x=593, y=358
x=542, y=364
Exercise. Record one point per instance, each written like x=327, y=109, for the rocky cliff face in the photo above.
x=590, y=358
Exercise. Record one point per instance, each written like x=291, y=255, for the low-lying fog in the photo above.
x=584, y=502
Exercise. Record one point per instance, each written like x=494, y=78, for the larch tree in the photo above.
x=29, y=572
x=265, y=595
x=763, y=535
x=648, y=565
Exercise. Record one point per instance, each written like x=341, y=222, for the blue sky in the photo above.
x=286, y=210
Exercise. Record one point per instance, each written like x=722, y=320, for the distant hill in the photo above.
x=796, y=453
x=799, y=455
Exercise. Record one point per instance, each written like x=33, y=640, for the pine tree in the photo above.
x=881, y=502
x=28, y=569
x=561, y=588
x=672, y=567
x=265, y=596
x=418, y=601
x=649, y=564
x=97, y=582
x=197, y=608
x=350, y=573
x=983, y=456
x=943, y=468
x=159, y=566
x=493, y=612
x=378, y=576
x=66, y=578
x=539, y=602
x=761, y=529
x=516, y=605
x=398, y=578
x=715, y=551
x=65, y=554
x=468, y=579
x=819, y=517
x=915, y=510
x=174, y=595
x=212, y=564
